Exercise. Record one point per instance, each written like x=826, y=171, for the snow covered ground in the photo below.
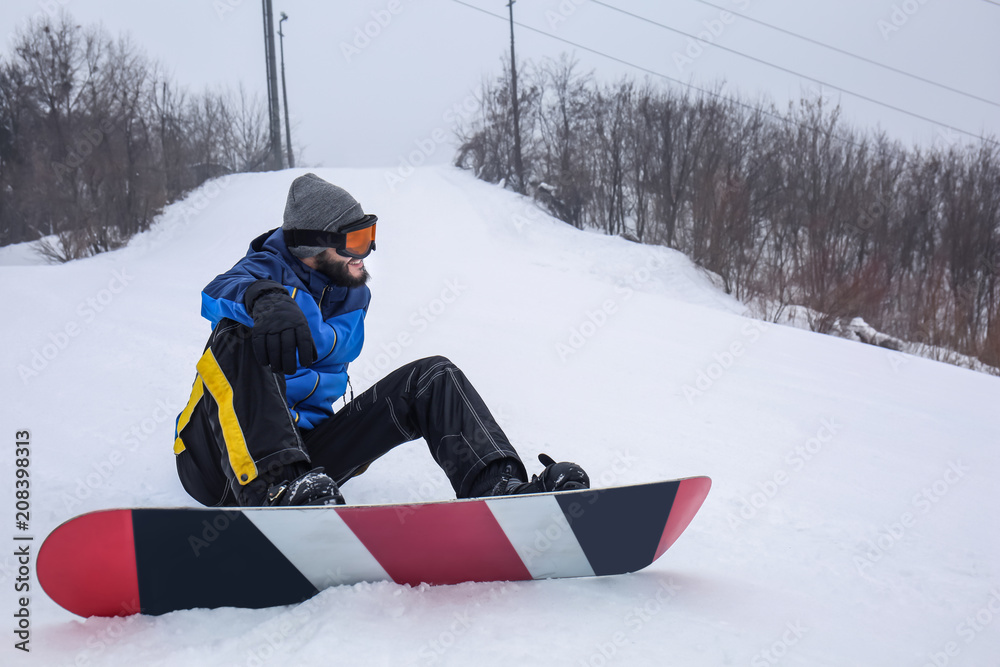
x=847, y=524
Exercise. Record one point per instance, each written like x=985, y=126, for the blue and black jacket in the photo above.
x=336, y=317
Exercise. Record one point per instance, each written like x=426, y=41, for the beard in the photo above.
x=339, y=274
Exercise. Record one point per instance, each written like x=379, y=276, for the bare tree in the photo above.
x=790, y=208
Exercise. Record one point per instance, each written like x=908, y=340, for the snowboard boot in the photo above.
x=310, y=488
x=563, y=476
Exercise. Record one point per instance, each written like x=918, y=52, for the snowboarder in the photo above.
x=287, y=319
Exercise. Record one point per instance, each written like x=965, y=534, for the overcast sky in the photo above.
x=370, y=81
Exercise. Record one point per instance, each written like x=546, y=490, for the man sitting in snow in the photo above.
x=288, y=318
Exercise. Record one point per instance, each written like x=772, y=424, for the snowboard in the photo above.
x=120, y=562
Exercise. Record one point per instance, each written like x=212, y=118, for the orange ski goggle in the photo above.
x=357, y=240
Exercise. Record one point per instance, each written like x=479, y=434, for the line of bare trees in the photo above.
x=788, y=208
x=95, y=138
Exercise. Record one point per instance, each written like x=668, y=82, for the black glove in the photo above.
x=279, y=328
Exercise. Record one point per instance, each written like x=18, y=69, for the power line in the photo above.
x=692, y=86
x=792, y=72
x=643, y=69
x=854, y=55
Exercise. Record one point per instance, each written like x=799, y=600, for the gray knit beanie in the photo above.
x=315, y=204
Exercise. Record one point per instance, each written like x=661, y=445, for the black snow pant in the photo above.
x=237, y=425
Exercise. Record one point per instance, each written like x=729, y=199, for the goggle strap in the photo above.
x=313, y=237
x=317, y=237
x=367, y=221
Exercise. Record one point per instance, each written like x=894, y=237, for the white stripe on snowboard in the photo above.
x=319, y=544
x=541, y=535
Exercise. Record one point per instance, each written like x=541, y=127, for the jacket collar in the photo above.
x=313, y=281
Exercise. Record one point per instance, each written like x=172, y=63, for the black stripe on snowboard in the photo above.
x=191, y=559
x=619, y=529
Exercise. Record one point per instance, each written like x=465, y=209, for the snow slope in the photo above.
x=845, y=525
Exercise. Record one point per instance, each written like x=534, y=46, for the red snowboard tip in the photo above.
x=87, y=565
x=691, y=494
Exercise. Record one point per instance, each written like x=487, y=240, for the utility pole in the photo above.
x=518, y=164
x=274, y=160
x=284, y=93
